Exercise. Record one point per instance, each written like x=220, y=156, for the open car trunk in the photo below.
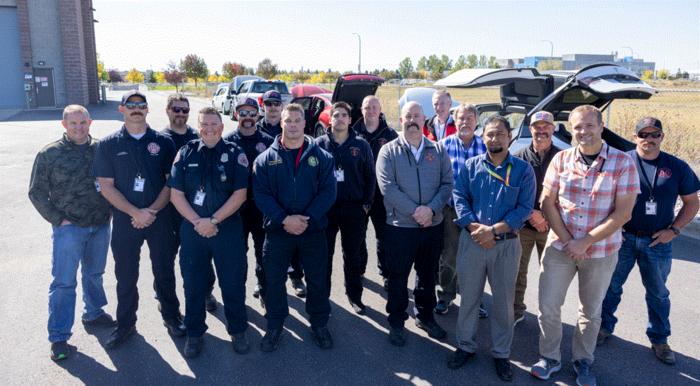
x=353, y=88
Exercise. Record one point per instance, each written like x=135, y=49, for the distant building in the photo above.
x=534, y=61
x=508, y=63
x=575, y=62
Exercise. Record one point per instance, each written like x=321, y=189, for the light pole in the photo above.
x=551, y=48
x=631, y=50
x=359, y=52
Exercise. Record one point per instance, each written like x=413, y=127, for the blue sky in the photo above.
x=146, y=34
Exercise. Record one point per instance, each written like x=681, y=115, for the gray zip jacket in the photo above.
x=407, y=184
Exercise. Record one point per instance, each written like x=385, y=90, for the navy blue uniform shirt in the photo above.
x=181, y=139
x=354, y=157
x=282, y=189
x=217, y=171
x=124, y=158
x=253, y=146
x=271, y=130
x=675, y=178
x=378, y=138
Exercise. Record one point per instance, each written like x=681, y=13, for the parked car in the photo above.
x=256, y=88
x=307, y=89
x=350, y=88
x=424, y=97
x=221, y=99
x=525, y=91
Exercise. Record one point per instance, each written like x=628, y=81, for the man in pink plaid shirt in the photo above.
x=589, y=193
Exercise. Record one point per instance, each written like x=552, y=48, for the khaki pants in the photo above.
x=474, y=265
x=447, y=274
x=529, y=238
x=556, y=273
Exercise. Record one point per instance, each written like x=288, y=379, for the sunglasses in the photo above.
x=655, y=134
x=247, y=113
x=184, y=110
x=275, y=104
x=136, y=105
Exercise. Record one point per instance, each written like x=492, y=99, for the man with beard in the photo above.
x=132, y=166
x=539, y=154
x=441, y=125
x=459, y=146
x=253, y=141
x=372, y=127
x=415, y=176
x=354, y=172
x=493, y=197
x=647, y=236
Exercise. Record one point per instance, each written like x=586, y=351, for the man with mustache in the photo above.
x=132, y=166
x=588, y=194
x=539, y=154
x=647, y=236
x=441, y=125
x=493, y=196
x=415, y=177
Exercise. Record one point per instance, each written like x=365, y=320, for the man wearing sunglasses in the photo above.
x=132, y=166
x=648, y=235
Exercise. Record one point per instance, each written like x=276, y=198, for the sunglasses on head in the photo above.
x=136, y=105
x=275, y=104
x=654, y=134
x=247, y=113
x=184, y=110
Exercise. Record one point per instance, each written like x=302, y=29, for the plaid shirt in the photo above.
x=459, y=154
x=586, y=196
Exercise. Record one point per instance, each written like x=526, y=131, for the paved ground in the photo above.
x=362, y=354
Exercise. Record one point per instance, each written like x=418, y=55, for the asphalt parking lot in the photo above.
x=362, y=354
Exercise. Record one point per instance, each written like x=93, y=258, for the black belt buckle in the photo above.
x=505, y=236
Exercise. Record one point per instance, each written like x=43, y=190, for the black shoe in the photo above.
x=240, y=343
x=459, y=358
x=271, y=341
x=211, y=303
x=357, y=306
x=299, y=288
x=442, y=307
x=175, y=327
x=104, y=320
x=434, y=330
x=503, y=369
x=322, y=337
x=60, y=351
x=193, y=346
x=256, y=291
x=396, y=336
x=119, y=336
x=482, y=312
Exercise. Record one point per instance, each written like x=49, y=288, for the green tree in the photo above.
x=422, y=64
x=492, y=62
x=266, y=69
x=550, y=64
x=482, y=61
x=134, y=76
x=446, y=62
x=460, y=64
x=472, y=61
x=405, y=67
x=194, y=67
x=101, y=73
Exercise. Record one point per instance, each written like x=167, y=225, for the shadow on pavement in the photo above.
x=103, y=111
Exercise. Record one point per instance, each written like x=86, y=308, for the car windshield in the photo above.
x=261, y=87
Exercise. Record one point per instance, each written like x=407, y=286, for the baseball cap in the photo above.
x=272, y=95
x=129, y=94
x=246, y=102
x=544, y=116
x=647, y=122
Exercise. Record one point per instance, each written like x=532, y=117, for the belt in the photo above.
x=639, y=233
x=506, y=236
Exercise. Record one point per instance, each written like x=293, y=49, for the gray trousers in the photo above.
x=474, y=265
x=447, y=274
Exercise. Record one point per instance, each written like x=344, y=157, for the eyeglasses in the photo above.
x=184, y=110
x=654, y=134
x=136, y=105
x=275, y=104
x=247, y=113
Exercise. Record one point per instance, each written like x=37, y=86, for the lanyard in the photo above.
x=646, y=178
x=496, y=176
x=297, y=160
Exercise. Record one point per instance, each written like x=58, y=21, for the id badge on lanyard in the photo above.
x=650, y=207
x=199, y=197
x=139, y=183
x=339, y=175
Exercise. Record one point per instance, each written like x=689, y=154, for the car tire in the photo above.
x=319, y=130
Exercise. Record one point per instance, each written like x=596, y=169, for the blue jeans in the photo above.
x=654, y=266
x=73, y=245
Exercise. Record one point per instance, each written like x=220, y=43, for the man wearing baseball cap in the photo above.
x=648, y=235
x=534, y=233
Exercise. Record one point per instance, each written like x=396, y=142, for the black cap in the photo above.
x=129, y=94
x=246, y=102
x=647, y=122
x=272, y=95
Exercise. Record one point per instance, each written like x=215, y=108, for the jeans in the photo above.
x=73, y=245
x=654, y=267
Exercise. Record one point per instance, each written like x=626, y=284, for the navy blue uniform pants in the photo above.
x=420, y=248
x=253, y=225
x=126, y=249
x=278, y=249
x=377, y=214
x=228, y=252
x=351, y=221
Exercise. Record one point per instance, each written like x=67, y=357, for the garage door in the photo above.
x=11, y=76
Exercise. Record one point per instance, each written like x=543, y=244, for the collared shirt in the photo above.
x=416, y=151
x=586, y=195
x=252, y=145
x=459, y=153
x=440, y=127
x=482, y=198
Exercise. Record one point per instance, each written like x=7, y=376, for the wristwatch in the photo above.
x=675, y=230
x=213, y=220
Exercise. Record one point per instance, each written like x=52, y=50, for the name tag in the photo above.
x=339, y=175
x=650, y=208
x=199, y=198
x=139, y=184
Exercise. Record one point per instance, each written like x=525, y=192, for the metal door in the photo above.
x=43, y=84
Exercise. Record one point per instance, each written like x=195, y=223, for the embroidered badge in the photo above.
x=429, y=156
x=224, y=158
x=260, y=147
x=355, y=151
x=665, y=173
x=153, y=148
x=313, y=161
x=243, y=160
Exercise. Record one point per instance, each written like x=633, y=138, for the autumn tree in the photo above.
x=173, y=75
x=405, y=67
x=232, y=70
x=101, y=73
x=194, y=67
x=266, y=69
x=662, y=74
x=114, y=76
x=134, y=76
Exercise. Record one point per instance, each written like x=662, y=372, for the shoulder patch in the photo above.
x=260, y=147
x=153, y=148
x=243, y=160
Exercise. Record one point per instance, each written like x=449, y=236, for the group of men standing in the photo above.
x=456, y=207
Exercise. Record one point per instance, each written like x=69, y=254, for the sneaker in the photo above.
x=459, y=358
x=210, y=303
x=256, y=291
x=175, y=326
x=322, y=337
x=503, y=369
x=482, y=312
x=240, y=343
x=434, y=330
x=193, y=346
x=518, y=318
x=271, y=341
x=396, y=336
x=442, y=307
x=664, y=353
x=603, y=335
x=60, y=351
x=119, y=336
x=584, y=375
x=104, y=320
x=358, y=306
x=545, y=368
x=299, y=288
